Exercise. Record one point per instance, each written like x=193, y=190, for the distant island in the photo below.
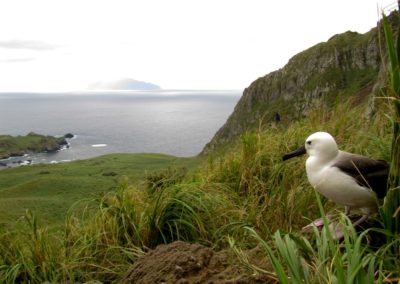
x=14, y=146
x=123, y=84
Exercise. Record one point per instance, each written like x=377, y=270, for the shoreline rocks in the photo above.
x=19, y=146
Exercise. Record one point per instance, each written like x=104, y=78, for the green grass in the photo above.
x=50, y=190
x=321, y=259
x=241, y=197
x=143, y=200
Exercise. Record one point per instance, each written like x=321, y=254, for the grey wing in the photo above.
x=368, y=172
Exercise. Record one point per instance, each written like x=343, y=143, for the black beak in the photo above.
x=298, y=152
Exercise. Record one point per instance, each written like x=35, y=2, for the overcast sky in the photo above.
x=67, y=45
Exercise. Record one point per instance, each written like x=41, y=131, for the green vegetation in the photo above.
x=20, y=145
x=391, y=208
x=354, y=260
x=347, y=65
x=239, y=198
x=50, y=190
x=249, y=188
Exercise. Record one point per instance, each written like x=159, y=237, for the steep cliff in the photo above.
x=346, y=65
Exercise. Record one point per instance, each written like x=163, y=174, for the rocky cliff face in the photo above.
x=347, y=64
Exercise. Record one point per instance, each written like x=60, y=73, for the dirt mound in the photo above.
x=181, y=262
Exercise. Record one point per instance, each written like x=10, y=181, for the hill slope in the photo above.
x=50, y=190
x=346, y=65
x=235, y=201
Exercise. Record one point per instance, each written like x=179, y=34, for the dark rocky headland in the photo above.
x=14, y=146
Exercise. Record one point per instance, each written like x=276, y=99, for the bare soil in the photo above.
x=185, y=263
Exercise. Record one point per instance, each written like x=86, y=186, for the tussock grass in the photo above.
x=391, y=208
x=247, y=187
x=244, y=198
x=320, y=259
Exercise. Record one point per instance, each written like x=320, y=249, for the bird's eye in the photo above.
x=309, y=142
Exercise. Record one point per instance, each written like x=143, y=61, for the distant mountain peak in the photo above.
x=123, y=84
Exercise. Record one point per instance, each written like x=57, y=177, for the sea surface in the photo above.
x=172, y=122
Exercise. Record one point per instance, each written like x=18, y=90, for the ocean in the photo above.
x=177, y=123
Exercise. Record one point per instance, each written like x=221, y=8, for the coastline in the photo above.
x=20, y=150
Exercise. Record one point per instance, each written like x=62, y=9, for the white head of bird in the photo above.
x=321, y=145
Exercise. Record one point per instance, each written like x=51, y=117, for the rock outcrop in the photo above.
x=32, y=143
x=346, y=65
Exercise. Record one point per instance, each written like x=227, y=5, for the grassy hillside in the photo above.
x=243, y=198
x=237, y=199
x=50, y=190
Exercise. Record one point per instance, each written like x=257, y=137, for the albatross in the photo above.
x=347, y=179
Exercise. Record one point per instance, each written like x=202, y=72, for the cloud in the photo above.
x=27, y=44
x=17, y=60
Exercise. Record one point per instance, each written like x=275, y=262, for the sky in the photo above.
x=67, y=45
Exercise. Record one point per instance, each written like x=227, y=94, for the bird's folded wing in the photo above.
x=368, y=172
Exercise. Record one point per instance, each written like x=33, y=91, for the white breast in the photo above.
x=338, y=186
